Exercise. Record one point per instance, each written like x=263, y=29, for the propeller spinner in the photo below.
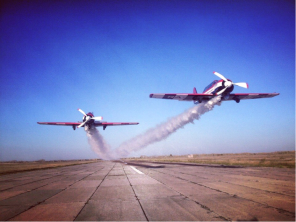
x=229, y=83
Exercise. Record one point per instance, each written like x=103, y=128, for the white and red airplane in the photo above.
x=88, y=121
x=222, y=87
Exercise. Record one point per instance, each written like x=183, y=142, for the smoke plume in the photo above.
x=98, y=144
x=163, y=130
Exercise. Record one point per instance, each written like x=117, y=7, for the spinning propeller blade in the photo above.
x=229, y=83
x=82, y=124
x=82, y=112
x=242, y=84
x=87, y=118
x=220, y=76
x=97, y=118
x=218, y=93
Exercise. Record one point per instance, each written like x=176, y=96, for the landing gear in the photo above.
x=197, y=101
x=104, y=127
x=226, y=97
x=237, y=100
x=74, y=127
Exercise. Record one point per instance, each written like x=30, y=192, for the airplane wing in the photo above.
x=182, y=96
x=78, y=123
x=241, y=96
x=113, y=124
x=206, y=97
x=60, y=123
x=75, y=124
x=105, y=124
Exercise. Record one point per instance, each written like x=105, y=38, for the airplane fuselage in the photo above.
x=216, y=86
x=89, y=121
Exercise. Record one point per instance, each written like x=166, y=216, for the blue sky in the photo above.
x=108, y=56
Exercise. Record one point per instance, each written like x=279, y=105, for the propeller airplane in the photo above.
x=222, y=87
x=89, y=121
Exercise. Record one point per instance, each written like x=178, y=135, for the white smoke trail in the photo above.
x=98, y=144
x=163, y=130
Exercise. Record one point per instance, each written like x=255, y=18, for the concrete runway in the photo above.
x=149, y=191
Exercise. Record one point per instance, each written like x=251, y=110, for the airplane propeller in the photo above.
x=88, y=118
x=82, y=112
x=229, y=83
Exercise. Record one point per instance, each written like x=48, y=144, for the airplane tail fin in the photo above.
x=194, y=90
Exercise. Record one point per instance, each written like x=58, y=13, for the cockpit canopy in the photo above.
x=209, y=86
x=90, y=114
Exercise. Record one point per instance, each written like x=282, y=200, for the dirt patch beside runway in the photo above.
x=283, y=159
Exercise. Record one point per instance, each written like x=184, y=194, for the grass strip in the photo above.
x=22, y=166
x=282, y=159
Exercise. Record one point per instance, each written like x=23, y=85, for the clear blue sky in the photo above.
x=108, y=56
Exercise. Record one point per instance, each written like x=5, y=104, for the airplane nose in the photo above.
x=228, y=84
